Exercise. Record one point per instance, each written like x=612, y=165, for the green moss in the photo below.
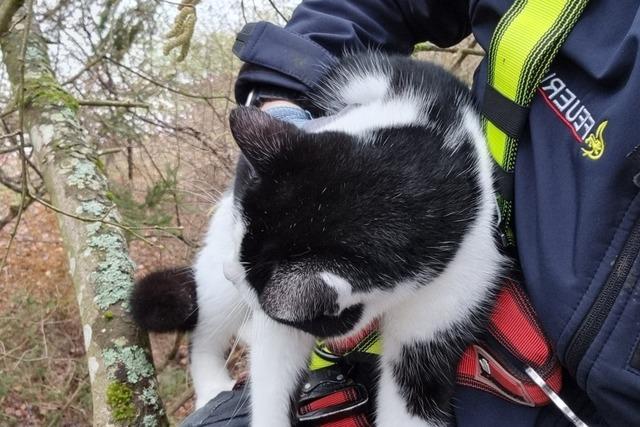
x=120, y=399
x=45, y=91
x=132, y=359
x=100, y=165
x=108, y=315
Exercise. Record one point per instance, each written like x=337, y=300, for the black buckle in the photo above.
x=325, y=382
x=508, y=116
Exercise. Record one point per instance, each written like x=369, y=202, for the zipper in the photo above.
x=597, y=315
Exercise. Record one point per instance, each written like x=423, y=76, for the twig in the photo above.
x=273, y=5
x=164, y=86
x=176, y=346
x=186, y=395
x=68, y=403
x=109, y=151
x=111, y=103
x=426, y=47
x=25, y=189
x=15, y=148
x=181, y=5
x=7, y=9
x=86, y=219
x=13, y=212
x=9, y=135
x=104, y=221
x=172, y=354
x=86, y=68
x=242, y=9
x=9, y=183
x=464, y=56
x=8, y=111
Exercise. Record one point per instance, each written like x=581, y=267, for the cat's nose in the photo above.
x=323, y=325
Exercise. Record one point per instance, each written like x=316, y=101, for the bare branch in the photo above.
x=164, y=86
x=24, y=185
x=111, y=103
x=8, y=8
x=84, y=69
x=280, y=14
x=427, y=47
x=9, y=135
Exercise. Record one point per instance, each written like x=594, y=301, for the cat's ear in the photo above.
x=260, y=137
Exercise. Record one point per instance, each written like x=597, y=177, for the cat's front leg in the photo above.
x=416, y=384
x=278, y=357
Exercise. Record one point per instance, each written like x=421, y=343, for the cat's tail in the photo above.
x=165, y=301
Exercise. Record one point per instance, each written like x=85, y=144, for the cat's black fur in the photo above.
x=386, y=210
x=165, y=301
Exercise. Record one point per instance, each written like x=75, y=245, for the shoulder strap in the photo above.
x=522, y=48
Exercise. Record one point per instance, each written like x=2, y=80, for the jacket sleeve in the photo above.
x=293, y=58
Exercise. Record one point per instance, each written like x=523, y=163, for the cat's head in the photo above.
x=335, y=227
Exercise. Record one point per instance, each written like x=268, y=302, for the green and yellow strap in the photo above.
x=323, y=357
x=523, y=45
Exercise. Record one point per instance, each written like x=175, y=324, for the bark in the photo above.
x=123, y=383
x=7, y=9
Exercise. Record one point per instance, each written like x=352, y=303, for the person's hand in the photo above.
x=286, y=111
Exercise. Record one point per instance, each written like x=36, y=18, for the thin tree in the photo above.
x=123, y=383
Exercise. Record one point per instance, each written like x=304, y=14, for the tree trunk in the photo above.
x=123, y=383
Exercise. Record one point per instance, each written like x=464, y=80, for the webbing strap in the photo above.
x=522, y=48
x=514, y=327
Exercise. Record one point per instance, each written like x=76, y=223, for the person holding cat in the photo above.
x=575, y=186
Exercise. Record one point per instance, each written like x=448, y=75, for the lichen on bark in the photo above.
x=113, y=277
x=132, y=361
x=120, y=369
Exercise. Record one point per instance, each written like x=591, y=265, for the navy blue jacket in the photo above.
x=576, y=218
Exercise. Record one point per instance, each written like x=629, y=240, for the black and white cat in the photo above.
x=383, y=210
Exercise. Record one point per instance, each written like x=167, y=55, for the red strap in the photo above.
x=347, y=395
x=513, y=324
x=479, y=369
x=359, y=420
x=336, y=399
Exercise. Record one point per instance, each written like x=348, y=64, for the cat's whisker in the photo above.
x=246, y=388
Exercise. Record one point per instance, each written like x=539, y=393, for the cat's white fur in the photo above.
x=278, y=353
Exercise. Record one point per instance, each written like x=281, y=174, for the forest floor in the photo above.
x=43, y=373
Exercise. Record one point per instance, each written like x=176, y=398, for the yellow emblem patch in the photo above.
x=595, y=143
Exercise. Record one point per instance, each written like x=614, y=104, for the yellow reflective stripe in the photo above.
x=316, y=362
x=371, y=344
x=376, y=346
x=535, y=19
x=502, y=26
x=547, y=48
x=497, y=142
x=524, y=43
